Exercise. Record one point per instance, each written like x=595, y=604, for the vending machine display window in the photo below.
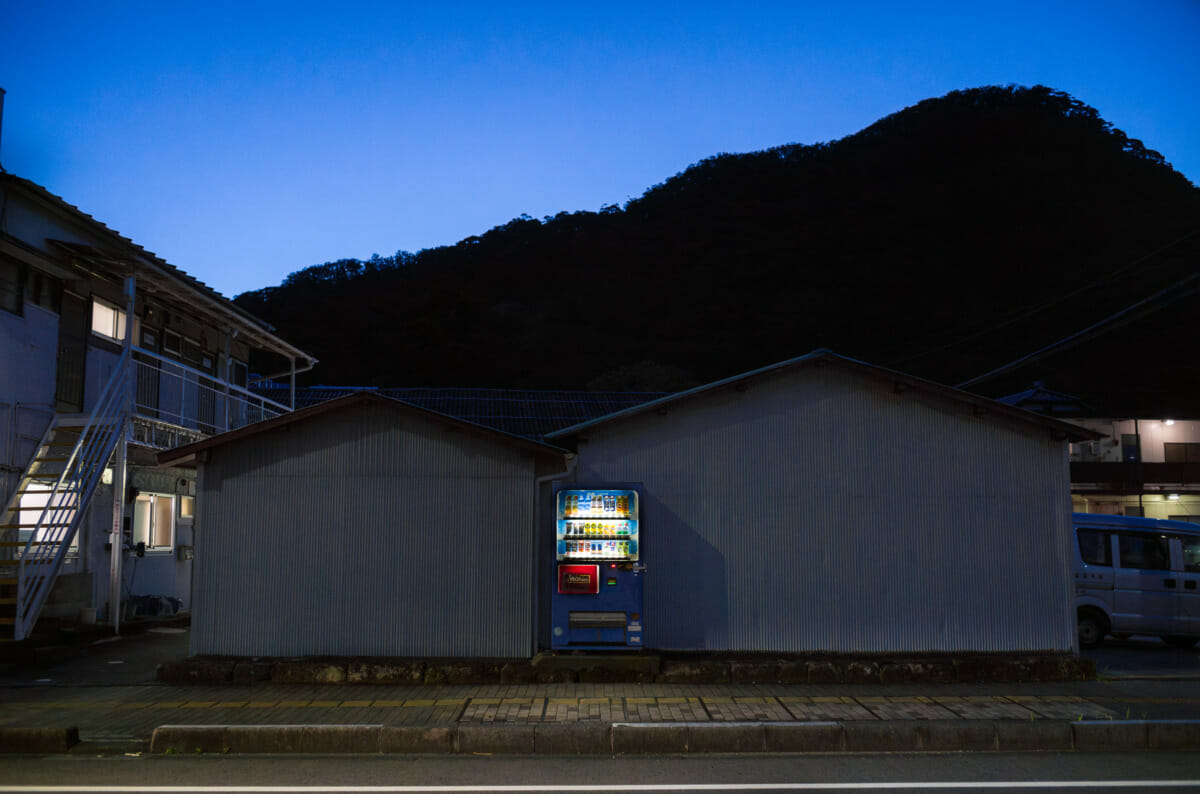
x=597, y=600
x=597, y=525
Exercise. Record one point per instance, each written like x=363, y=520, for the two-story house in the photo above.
x=1142, y=467
x=1146, y=467
x=108, y=354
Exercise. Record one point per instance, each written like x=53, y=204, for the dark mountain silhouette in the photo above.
x=944, y=240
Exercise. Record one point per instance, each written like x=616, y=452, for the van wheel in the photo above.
x=1092, y=627
x=1175, y=641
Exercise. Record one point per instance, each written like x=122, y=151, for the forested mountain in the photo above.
x=944, y=240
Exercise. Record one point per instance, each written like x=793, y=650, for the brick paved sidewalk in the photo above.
x=132, y=712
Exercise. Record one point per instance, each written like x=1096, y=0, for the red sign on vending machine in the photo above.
x=579, y=578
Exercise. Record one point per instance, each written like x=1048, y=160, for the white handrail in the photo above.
x=68, y=499
x=194, y=398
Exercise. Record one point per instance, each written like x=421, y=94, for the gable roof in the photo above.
x=819, y=357
x=186, y=455
x=530, y=413
x=1047, y=401
x=156, y=271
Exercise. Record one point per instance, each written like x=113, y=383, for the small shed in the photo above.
x=827, y=505
x=365, y=526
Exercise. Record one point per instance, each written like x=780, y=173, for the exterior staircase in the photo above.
x=42, y=518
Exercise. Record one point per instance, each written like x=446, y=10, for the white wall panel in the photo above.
x=818, y=510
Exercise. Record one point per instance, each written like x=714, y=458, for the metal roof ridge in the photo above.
x=187, y=451
x=825, y=354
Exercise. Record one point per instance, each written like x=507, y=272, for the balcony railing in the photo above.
x=1132, y=476
x=169, y=396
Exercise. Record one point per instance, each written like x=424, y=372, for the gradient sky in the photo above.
x=243, y=141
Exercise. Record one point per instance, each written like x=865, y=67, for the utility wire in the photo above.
x=1043, y=306
x=1113, y=320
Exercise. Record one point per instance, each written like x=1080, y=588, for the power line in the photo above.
x=1046, y=305
x=1108, y=323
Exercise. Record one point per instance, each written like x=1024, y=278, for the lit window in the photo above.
x=32, y=508
x=154, y=521
x=187, y=506
x=12, y=286
x=108, y=321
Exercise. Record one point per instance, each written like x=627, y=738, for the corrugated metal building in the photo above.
x=365, y=526
x=823, y=504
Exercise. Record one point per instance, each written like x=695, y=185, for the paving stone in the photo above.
x=820, y=709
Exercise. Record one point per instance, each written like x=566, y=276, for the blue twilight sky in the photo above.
x=243, y=141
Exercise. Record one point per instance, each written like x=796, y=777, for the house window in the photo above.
x=45, y=291
x=191, y=353
x=1188, y=452
x=12, y=284
x=238, y=373
x=187, y=507
x=172, y=344
x=32, y=507
x=108, y=321
x=154, y=521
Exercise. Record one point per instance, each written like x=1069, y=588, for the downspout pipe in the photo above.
x=120, y=469
x=566, y=474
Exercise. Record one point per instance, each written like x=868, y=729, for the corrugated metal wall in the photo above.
x=367, y=531
x=821, y=511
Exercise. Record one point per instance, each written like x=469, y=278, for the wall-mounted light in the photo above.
x=1172, y=497
x=1168, y=422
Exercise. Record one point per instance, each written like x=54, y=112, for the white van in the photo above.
x=1137, y=576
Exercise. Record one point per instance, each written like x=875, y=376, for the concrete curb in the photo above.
x=662, y=738
x=38, y=740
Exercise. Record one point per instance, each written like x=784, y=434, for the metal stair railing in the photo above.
x=68, y=500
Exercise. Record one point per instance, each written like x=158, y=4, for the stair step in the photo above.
x=8, y=621
x=18, y=544
x=34, y=525
x=8, y=600
x=41, y=491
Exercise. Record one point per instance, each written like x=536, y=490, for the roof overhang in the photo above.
x=122, y=257
x=901, y=382
x=190, y=454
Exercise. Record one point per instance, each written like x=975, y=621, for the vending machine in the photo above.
x=597, y=600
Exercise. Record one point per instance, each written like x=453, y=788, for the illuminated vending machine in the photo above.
x=597, y=603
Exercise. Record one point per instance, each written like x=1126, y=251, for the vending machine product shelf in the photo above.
x=597, y=601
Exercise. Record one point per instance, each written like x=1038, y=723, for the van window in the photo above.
x=1144, y=551
x=1191, y=554
x=1094, y=547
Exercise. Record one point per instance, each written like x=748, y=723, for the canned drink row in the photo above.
x=606, y=528
x=591, y=504
x=599, y=548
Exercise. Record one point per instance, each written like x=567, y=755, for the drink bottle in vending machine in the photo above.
x=597, y=598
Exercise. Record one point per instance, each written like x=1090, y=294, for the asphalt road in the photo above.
x=1050, y=772
x=1144, y=657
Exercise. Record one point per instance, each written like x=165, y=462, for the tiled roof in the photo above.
x=522, y=412
x=1046, y=401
